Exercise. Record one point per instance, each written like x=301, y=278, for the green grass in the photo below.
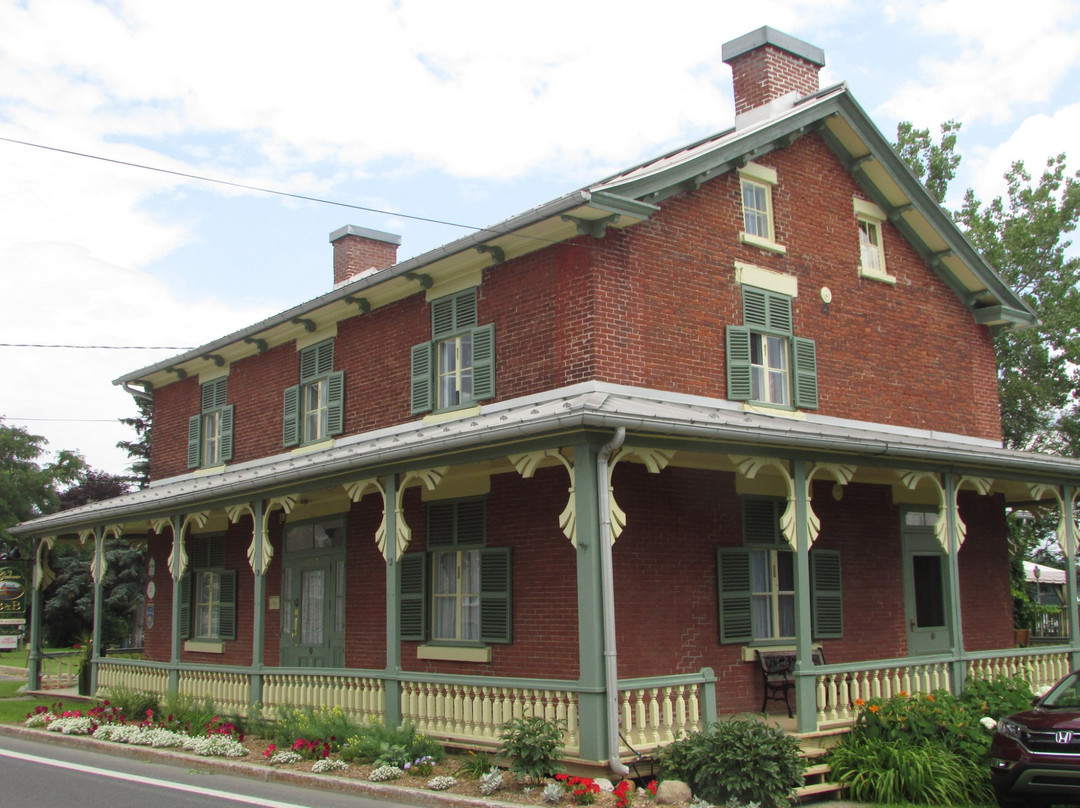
x=18, y=659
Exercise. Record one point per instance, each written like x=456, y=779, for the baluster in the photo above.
x=665, y=733
x=654, y=716
x=573, y=734
x=640, y=708
x=844, y=701
x=832, y=696
x=680, y=711
x=821, y=700
x=695, y=708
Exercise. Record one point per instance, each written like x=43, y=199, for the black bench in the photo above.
x=777, y=674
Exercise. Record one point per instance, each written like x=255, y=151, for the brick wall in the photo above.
x=767, y=73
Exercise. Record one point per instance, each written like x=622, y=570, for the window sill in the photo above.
x=764, y=244
x=209, y=470
x=313, y=447
x=454, y=653
x=450, y=415
x=205, y=646
x=873, y=275
x=775, y=410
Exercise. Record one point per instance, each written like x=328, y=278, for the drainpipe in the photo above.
x=607, y=592
x=145, y=394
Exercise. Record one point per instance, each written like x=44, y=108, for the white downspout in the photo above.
x=607, y=593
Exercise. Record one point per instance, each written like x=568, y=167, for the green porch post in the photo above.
x=176, y=572
x=1068, y=514
x=592, y=709
x=392, y=682
x=259, y=563
x=33, y=662
x=952, y=558
x=99, y=603
x=805, y=689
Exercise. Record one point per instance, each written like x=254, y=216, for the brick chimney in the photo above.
x=771, y=70
x=358, y=249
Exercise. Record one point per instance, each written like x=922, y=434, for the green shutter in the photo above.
x=766, y=311
x=442, y=318
x=422, y=381
x=185, y=606
x=464, y=310
x=227, y=433
x=214, y=394
x=826, y=599
x=441, y=517
x=324, y=358
x=308, y=363
x=291, y=417
x=453, y=314
x=483, y=358
x=194, y=441
x=335, y=403
x=412, y=601
x=739, y=386
x=470, y=526
x=227, y=608
x=733, y=580
x=761, y=523
x=495, y=586
x=199, y=553
x=805, y=373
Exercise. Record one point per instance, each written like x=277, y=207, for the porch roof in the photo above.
x=650, y=417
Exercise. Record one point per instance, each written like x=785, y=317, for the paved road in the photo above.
x=36, y=773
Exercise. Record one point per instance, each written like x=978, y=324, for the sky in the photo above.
x=423, y=118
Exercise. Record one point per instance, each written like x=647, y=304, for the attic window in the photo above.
x=759, y=226
x=871, y=219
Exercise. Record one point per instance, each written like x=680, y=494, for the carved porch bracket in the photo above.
x=99, y=565
x=178, y=562
x=1065, y=537
x=260, y=530
x=749, y=467
x=980, y=484
x=526, y=465
x=655, y=461
x=839, y=472
x=429, y=478
x=912, y=479
x=356, y=491
x=43, y=573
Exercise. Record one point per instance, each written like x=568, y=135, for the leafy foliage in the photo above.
x=740, y=759
x=934, y=164
x=533, y=744
x=389, y=746
x=139, y=449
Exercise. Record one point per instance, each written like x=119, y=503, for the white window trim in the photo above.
x=866, y=211
x=205, y=646
x=760, y=175
x=767, y=279
x=454, y=653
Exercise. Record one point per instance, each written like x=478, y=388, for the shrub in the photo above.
x=740, y=759
x=997, y=698
x=491, y=781
x=328, y=725
x=133, y=704
x=393, y=746
x=534, y=745
x=475, y=765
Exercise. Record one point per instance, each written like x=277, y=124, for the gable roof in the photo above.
x=631, y=197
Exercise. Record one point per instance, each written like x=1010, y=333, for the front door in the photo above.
x=313, y=596
x=925, y=589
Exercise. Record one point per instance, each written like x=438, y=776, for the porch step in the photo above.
x=816, y=783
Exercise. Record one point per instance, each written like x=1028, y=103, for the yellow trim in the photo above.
x=452, y=415
x=770, y=280
x=454, y=653
x=313, y=447
x=457, y=485
x=209, y=470
x=317, y=336
x=214, y=373
x=449, y=286
x=868, y=209
x=794, y=415
x=758, y=173
x=763, y=243
x=205, y=646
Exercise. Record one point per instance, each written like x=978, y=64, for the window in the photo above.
x=467, y=599
x=766, y=362
x=208, y=593
x=314, y=409
x=870, y=219
x=457, y=367
x=757, y=582
x=759, y=224
x=210, y=433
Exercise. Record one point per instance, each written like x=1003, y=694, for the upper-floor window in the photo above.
x=210, y=433
x=870, y=219
x=458, y=591
x=759, y=224
x=757, y=582
x=314, y=409
x=208, y=593
x=456, y=368
x=766, y=362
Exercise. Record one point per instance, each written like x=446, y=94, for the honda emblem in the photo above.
x=1064, y=736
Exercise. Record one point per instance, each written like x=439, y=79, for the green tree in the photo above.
x=28, y=487
x=139, y=449
x=933, y=163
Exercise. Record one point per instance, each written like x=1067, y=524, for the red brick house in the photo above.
x=587, y=462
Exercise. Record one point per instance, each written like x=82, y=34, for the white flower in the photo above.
x=385, y=773
x=285, y=756
x=215, y=746
x=989, y=723
x=328, y=765
x=441, y=783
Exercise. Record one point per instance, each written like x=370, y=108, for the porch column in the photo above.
x=259, y=564
x=33, y=661
x=805, y=689
x=592, y=709
x=1068, y=513
x=99, y=602
x=392, y=682
x=952, y=558
x=177, y=564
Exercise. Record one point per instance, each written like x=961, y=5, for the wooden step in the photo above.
x=817, y=770
x=816, y=789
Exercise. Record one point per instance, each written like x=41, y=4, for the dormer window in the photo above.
x=759, y=225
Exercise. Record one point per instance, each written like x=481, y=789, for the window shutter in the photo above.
x=227, y=433
x=464, y=310
x=453, y=314
x=440, y=525
x=214, y=394
x=483, y=357
x=185, y=606
x=291, y=425
x=495, y=585
x=827, y=607
x=779, y=312
x=412, y=603
x=739, y=387
x=805, y=373
x=761, y=523
x=733, y=579
x=470, y=522
x=215, y=552
x=755, y=307
x=309, y=363
x=199, y=557
x=227, y=609
x=442, y=318
x=335, y=403
x=324, y=358
x=194, y=441
x=422, y=383
x=766, y=311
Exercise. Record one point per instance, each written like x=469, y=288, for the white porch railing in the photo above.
x=839, y=693
x=60, y=669
x=474, y=713
x=1041, y=668
x=359, y=696
x=229, y=691
x=654, y=716
x=144, y=678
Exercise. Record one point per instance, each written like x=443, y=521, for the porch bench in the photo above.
x=777, y=674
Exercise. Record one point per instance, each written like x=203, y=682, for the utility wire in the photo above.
x=63, y=420
x=100, y=347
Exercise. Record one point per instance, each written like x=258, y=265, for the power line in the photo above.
x=63, y=420
x=99, y=347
